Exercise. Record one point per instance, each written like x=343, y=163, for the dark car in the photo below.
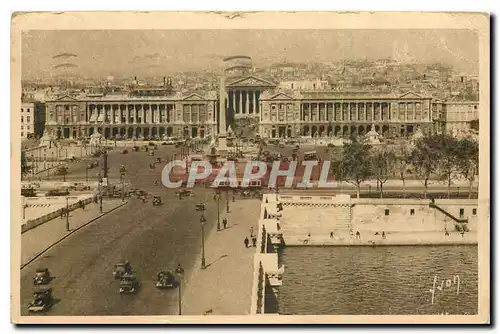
x=200, y=207
x=42, y=276
x=129, y=284
x=119, y=270
x=166, y=280
x=42, y=300
x=157, y=201
x=51, y=193
x=124, y=151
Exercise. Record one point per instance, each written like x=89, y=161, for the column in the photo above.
x=373, y=112
x=230, y=97
x=247, y=103
x=388, y=111
x=406, y=112
x=255, y=102
x=241, y=102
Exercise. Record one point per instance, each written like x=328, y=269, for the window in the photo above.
x=461, y=212
x=22, y=110
x=22, y=119
x=273, y=107
x=28, y=110
x=28, y=127
x=22, y=127
x=474, y=211
x=475, y=107
x=28, y=119
x=22, y=134
x=412, y=212
x=386, y=212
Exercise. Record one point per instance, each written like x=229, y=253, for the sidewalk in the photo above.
x=225, y=286
x=38, y=239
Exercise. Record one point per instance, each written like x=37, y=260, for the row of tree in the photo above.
x=442, y=157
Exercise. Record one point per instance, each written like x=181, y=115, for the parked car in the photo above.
x=42, y=300
x=129, y=284
x=166, y=280
x=42, y=276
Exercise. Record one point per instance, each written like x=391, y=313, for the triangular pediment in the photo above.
x=65, y=98
x=251, y=81
x=281, y=96
x=193, y=97
x=411, y=95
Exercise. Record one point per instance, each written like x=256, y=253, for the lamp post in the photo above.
x=122, y=174
x=100, y=195
x=180, y=272
x=67, y=214
x=202, y=222
x=24, y=210
x=87, y=174
x=217, y=198
x=227, y=200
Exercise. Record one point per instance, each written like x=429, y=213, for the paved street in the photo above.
x=151, y=238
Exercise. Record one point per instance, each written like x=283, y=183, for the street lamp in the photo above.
x=202, y=222
x=100, y=195
x=227, y=200
x=217, y=198
x=122, y=174
x=180, y=272
x=67, y=214
x=87, y=174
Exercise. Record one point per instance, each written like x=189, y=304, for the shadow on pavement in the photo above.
x=220, y=258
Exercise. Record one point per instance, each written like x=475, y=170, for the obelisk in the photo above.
x=222, y=145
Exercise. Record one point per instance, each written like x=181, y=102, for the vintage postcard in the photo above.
x=258, y=167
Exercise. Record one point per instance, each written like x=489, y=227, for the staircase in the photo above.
x=449, y=215
x=341, y=218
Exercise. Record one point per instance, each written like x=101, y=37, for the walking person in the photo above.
x=383, y=234
x=246, y=241
x=251, y=231
x=224, y=222
x=254, y=241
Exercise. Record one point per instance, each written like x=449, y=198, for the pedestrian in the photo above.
x=251, y=231
x=358, y=235
x=246, y=241
x=254, y=241
x=462, y=233
x=331, y=235
x=62, y=213
x=224, y=222
x=383, y=234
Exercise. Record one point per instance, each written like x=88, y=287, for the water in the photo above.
x=379, y=280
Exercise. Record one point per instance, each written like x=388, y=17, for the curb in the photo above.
x=70, y=233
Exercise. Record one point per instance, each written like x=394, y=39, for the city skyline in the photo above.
x=156, y=53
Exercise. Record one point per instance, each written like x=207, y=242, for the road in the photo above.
x=151, y=238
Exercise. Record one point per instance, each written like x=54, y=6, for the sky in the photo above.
x=100, y=53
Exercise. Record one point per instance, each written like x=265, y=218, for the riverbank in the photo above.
x=391, y=239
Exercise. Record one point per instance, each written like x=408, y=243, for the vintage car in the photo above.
x=129, y=284
x=42, y=276
x=124, y=151
x=157, y=201
x=200, y=207
x=158, y=160
x=93, y=165
x=151, y=153
x=135, y=148
x=42, y=300
x=184, y=192
x=57, y=192
x=166, y=280
x=119, y=270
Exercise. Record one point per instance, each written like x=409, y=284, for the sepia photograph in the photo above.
x=230, y=168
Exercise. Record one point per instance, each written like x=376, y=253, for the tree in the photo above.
x=474, y=124
x=383, y=162
x=467, y=160
x=402, y=160
x=24, y=164
x=446, y=147
x=425, y=160
x=63, y=170
x=354, y=165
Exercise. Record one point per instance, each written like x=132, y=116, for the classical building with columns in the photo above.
x=327, y=114
x=192, y=115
